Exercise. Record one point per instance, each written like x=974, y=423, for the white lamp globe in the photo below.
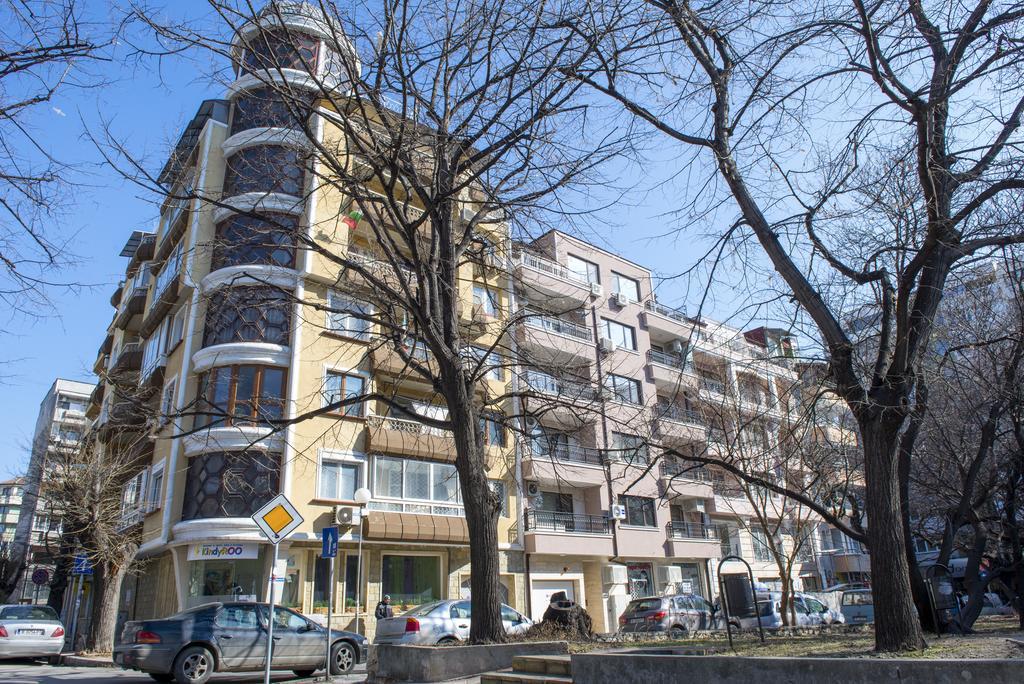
x=363, y=496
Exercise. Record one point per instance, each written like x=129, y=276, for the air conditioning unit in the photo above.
x=618, y=512
x=607, y=346
x=614, y=574
x=619, y=299
x=676, y=346
x=596, y=290
x=669, y=574
x=532, y=489
x=346, y=515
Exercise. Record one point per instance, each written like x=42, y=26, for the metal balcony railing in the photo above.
x=551, y=268
x=571, y=453
x=666, y=359
x=666, y=311
x=549, y=384
x=684, y=471
x=680, y=414
x=690, y=530
x=558, y=326
x=555, y=521
x=713, y=386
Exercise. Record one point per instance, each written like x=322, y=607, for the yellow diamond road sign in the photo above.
x=277, y=518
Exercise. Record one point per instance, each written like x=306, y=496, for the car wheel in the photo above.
x=343, y=658
x=303, y=674
x=676, y=632
x=161, y=676
x=194, y=665
x=447, y=640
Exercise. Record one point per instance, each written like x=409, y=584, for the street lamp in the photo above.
x=362, y=497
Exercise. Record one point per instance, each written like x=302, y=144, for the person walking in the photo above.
x=383, y=609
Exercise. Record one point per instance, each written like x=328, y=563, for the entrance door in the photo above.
x=542, y=591
x=690, y=583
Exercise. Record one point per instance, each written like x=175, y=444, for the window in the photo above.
x=625, y=389
x=268, y=239
x=410, y=580
x=167, y=400
x=762, y=551
x=629, y=448
x=176, y=329
x=349, y=317
x=486, y=301
x=264, y=108
x=132, y=493
x=265, y=169
x=585, y=270
x=248, y=314
x=282, y=49
x=726, y=539
x=493, y=428
x=339, y=387
x=404, y=478
x=237, y=617
x=626, y=286
x=624, y=336
x=490, y=363
x=340, y=476
x=240, y=395
x=639, y=511
x=154, y=494
x=498, y=487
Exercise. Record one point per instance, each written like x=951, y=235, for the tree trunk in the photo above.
x=897, y=626
x=786, y=604
x=917, y=585
x=59, y=581
x=107, y=587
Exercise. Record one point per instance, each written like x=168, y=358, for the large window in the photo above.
x=247, y=314
x=282, y=49
x=639, y=511
x=265, y=169
x=240, y=395
x=410, y=580
x=268, y=239
x=762, y=551
x=491, y=367
x=624, y=285
x=625, y=389
x=486, y=301
x=266, y=108
x=493, y=427
x=340, y=475
x=349, y=317
x=420, y=486
x=339, y=387
x=585, y=270
x=232, y=484
x=623, y=336
x=629, y=448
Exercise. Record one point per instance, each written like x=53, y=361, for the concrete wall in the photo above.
x=624, y=668
x=389, y=663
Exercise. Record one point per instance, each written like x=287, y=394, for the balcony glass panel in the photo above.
x=248, y=314
x=248, y=240
x=265, y=169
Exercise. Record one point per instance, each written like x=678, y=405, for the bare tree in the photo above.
x=745, y=85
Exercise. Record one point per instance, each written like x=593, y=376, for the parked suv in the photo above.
x=677, y=614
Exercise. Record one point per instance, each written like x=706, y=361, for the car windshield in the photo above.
x=424, y=610
x=27, y=613
x=857, y=598
x=641, y=605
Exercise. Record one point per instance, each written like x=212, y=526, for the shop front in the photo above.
x=232, y=571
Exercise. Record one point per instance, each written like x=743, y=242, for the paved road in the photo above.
x=27, y=672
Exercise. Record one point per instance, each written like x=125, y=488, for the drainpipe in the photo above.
x=604, y=431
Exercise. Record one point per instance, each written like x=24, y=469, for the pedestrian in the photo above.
x=383, y=609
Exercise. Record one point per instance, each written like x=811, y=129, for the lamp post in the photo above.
x=362, y=497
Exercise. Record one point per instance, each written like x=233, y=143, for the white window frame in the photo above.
x=611, y=384
x=586, y=274
x=155, y=499
x=352, y=457
x=404, y=498
x=618, y=278
x=176, y=327
x=330, y=325
x=623, y=335
x=167, y=395
x=487, y=299
x=325, y=399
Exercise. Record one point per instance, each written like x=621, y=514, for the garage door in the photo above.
x=542, y=591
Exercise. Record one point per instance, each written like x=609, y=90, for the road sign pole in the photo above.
x=330, y=605
x=270, y=616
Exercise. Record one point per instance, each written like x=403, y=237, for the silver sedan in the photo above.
x=440, y=622
x=30, y=632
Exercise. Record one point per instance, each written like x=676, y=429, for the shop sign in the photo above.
x=223, y=551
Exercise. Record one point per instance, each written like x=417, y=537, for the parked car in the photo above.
x=858, y=606
x=677, y=614
x=809, y=612
x=232, y=637
x=440, y=622
x=30, y=632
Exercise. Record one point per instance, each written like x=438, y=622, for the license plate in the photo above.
x=860, y=618
x=636, y=621
x=33, y=632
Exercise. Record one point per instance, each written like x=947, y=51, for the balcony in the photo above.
x=559, y=402
x=712, y=389
x=843, y=563
x=567, y=534
x=396, y=366
x=675, y=425
x=692, y=540
x=544, y=279
x=669, y=372
x=679, y=478
x=375, y=266
x=553, y=340
x=133, y=303
x=404, y=437
x=128, y=358
x=582, y=466
x=165, y=294
x=666, y=322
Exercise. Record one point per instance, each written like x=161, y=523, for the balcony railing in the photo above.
x=571, y=453
x=676, y=361
x=554, y=521
x=411, y=427
x=168, y=273
x=549, y=384
x=713, y=386
x=666, y=311
x=551, y=268
x=684, y=471
x=558, y=326
x=690, y=530
x=680, y=414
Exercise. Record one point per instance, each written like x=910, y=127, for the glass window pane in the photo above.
x=417, y=480
x=446, y=484
x=354, y=385
x=348, y=481
x=411, y=580
x=387, y=479
x=328, y=480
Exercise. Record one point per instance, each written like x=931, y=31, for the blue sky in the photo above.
x=147, y=105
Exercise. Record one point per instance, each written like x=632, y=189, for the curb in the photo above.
x=72, y=660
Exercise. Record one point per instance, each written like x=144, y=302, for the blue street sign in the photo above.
x=330, y=539
x=81, y=565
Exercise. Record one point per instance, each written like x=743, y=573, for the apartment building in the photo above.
x=10, y=507
x=216, y=332
x=60, y=426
